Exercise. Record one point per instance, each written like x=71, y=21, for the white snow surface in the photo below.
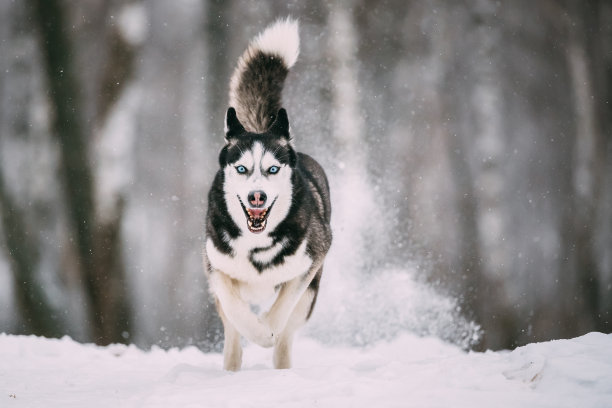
x=406, y=372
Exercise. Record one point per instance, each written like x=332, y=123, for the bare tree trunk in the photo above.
x=37, y=313
x=471, y=102
x=582, y=307
x=217, y=34
x=219, y=66
x=109, y=271
x=469, y=269
x=96, y=245
x=110, y=267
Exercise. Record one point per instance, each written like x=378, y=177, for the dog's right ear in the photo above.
x=280, y=126
x=233, y=127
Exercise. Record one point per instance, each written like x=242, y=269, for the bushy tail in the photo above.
x=257, y=83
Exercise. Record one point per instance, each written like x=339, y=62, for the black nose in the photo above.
x=257, y=198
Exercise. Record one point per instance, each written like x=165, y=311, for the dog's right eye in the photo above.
x=241, y=169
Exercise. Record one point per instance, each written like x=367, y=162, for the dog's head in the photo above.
x=258, y=168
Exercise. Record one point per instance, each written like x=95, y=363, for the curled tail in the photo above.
x=257, y=83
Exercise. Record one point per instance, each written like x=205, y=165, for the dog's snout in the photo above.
x=257, y=198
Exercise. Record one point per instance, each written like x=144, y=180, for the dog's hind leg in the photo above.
x=232, y=350
x=301, y=312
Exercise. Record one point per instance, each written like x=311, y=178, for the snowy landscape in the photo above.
x=406, y=372
x=469, y=156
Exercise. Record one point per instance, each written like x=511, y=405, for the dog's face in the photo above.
x=258, y=169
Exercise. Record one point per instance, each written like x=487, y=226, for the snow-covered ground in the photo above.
x=406, y=372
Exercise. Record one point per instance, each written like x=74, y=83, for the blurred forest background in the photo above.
x=468, y=143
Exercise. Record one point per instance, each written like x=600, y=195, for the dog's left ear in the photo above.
x=233, y=127
x=280, y=127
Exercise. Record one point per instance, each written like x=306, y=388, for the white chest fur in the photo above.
x=256, y=285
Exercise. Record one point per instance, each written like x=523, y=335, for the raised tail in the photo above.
x=257, y=83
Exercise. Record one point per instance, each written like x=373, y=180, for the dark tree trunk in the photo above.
x=218, y=68
x=96, y=245
x=582, y=307
x=37, y=314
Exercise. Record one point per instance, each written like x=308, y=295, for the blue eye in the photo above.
x=273, y=169
x=241, y=169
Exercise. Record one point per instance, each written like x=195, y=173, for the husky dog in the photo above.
x=267, y=227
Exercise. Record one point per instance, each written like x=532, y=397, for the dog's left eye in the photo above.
x=273, y=169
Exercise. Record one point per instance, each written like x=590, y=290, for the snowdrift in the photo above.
x=407, y=372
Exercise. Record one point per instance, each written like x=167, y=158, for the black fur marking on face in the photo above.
x=276, y=139
x=232, y=152
x=220, y=224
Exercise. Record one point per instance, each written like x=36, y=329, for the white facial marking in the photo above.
x=258, y=152
x=277, y=187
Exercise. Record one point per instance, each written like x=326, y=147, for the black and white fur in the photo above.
x=267, y=228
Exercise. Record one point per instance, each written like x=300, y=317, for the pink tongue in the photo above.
x=256, y=213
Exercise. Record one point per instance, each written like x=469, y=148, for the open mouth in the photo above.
x=257, y=218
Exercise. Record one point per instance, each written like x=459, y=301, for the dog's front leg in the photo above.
x=289, y=295
x=238, y=312
x=232, y=349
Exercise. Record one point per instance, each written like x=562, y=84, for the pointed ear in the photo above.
x=280, y=126
x=233, y=127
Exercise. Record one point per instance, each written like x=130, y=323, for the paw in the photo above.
x=268, y=319
x=264, y=336
x=260, y=333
